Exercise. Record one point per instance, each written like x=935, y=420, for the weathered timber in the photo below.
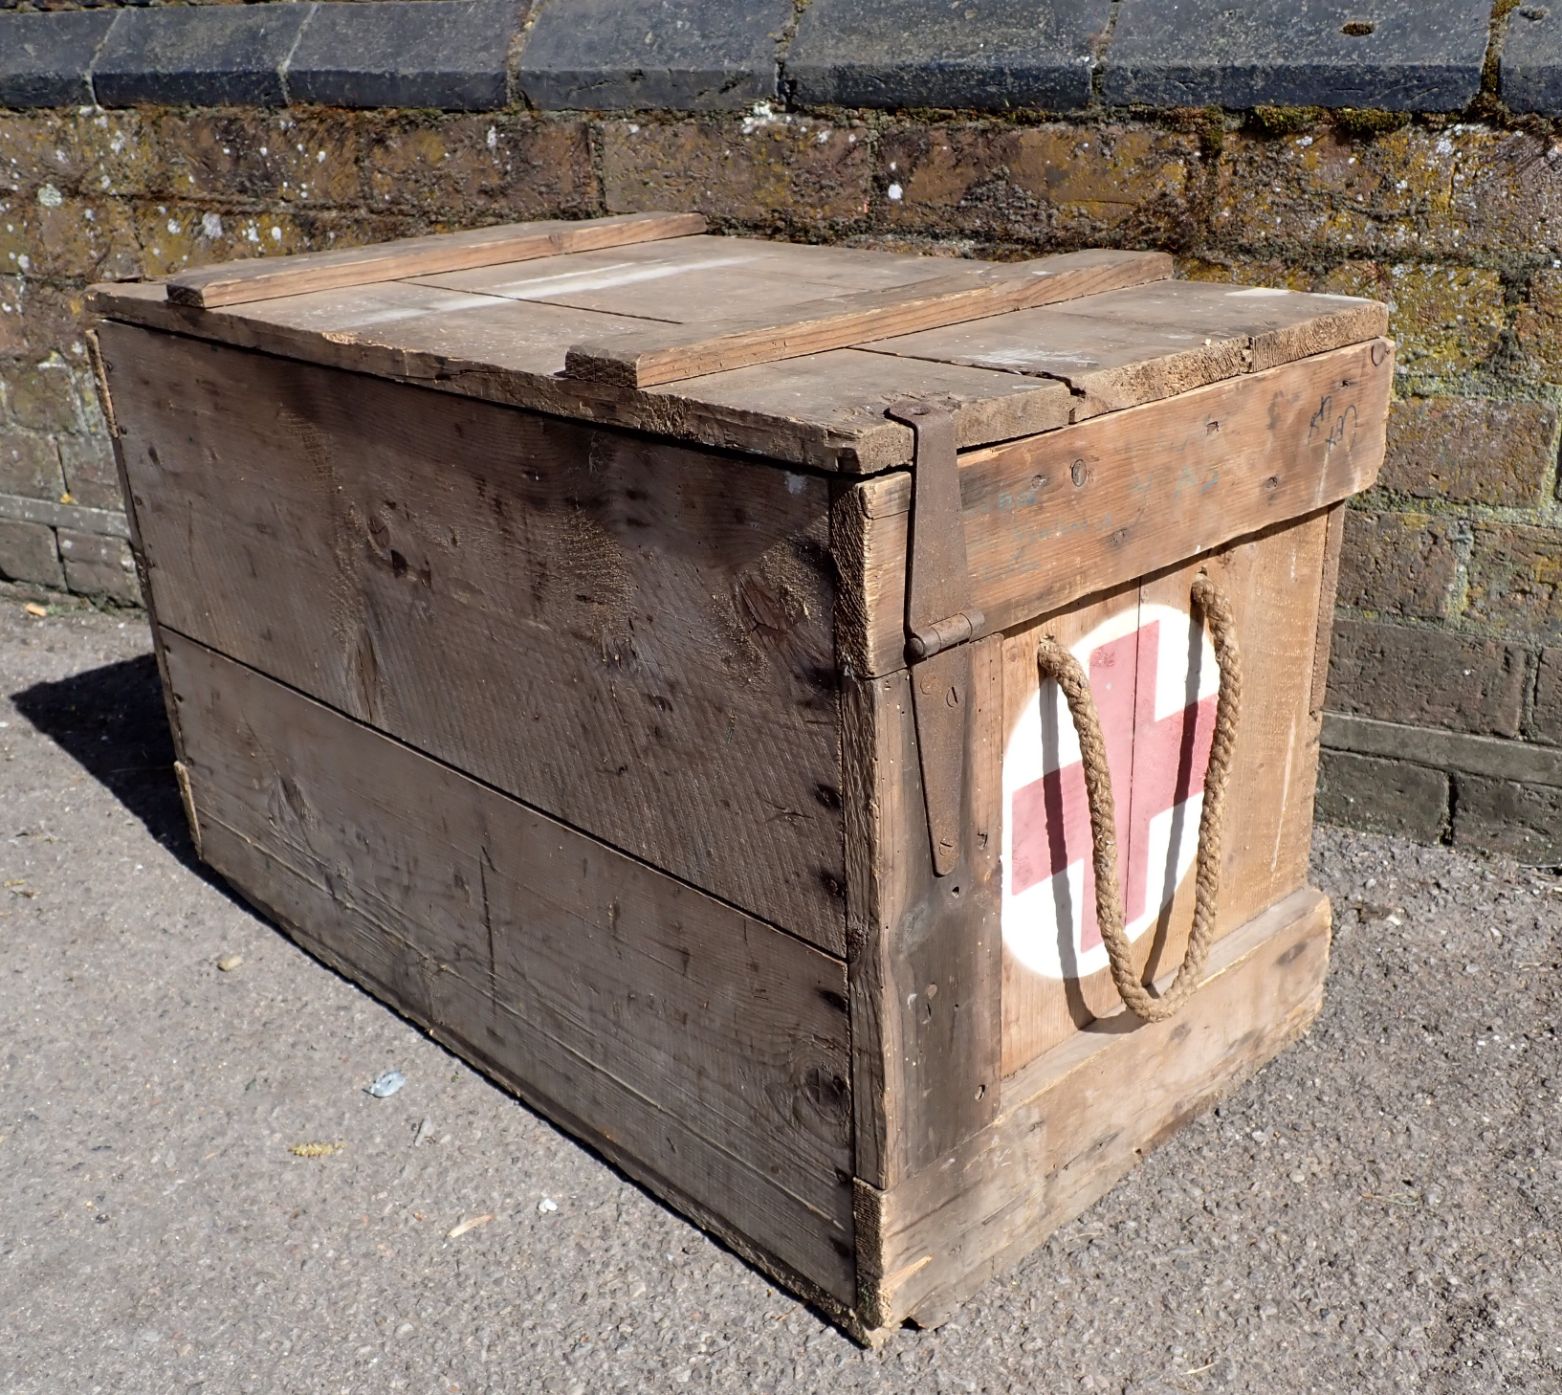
x=709, y=1046
x=585, y=720
x=925, y=967
x=1054, y=517
x=232, y=283
x=629, y=630
x=667, y=355
x=1083, y=1115
x=825, y=411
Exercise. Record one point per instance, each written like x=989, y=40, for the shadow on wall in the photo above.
x=111, y=720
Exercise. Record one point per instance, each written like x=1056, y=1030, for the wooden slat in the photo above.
x=633, y=636
x=1157, y=484
x=925, y=966
x=1328, y=596
x=1038, y=1011
x=667, y=355
x=231, y=283
x=825, y=411
x=1084, y=1115
x=710, y=1047
x=698, y=279
x=1106, y=366
x=1281, y=326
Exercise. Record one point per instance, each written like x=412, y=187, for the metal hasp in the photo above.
x=939, y=621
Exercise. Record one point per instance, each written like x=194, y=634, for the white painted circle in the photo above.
x=1042, y=924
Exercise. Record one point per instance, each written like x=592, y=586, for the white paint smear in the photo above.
x=605, y=278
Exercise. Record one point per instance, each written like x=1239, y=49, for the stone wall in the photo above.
x=1390, y=148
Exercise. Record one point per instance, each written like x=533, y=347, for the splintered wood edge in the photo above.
x=237, y=282
x=672, y=353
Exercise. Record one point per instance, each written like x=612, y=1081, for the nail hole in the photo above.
x=1358, y=28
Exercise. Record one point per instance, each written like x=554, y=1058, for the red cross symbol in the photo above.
x=1155, y=763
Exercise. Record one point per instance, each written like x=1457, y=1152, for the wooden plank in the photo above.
x=666, y=355
x=1124, y=348
x=709, y=1046
x=825, y=411
x=1083, y=1116
x=1280, y=325
x=699, y=279
x=606, y=627
x=230, y=283
x=1273, y=584
x=1156, y=484
x=1038, y=1012
x=1328, y=594
x=925, y=986
x=1107, y=366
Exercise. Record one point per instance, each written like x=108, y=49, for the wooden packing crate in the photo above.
x=534, y=608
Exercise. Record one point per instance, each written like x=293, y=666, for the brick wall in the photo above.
x=1426, y=170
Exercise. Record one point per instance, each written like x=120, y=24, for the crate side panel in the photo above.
x=632, y=636
x=710, y=1047
x=1155, y=720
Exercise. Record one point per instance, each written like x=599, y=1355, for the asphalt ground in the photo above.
x=1378, y=1210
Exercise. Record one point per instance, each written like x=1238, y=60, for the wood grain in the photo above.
x=709, y=1046
x=1054, y=517
x=925, y=966
x=664, y=354
x=230, y=283
x=1069, y=1129
x=610, y=629
x=825, y=411
x=1105, y=365
x=1039, y=1012
x=1273, y=585
x=1279, y=325
x=699, y=279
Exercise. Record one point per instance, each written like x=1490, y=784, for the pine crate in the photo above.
x=616, y=647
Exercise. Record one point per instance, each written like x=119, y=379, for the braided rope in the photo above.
x=1055, y=662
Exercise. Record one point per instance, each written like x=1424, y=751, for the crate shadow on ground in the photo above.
x=112, y=722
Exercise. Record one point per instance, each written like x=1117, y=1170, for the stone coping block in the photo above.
x=1531, y=74
x=201, y=55
x=1403, y=55
x=46, y=60
x=626, y=55
x=927, y=53
x=451, y=54
x=712, y=55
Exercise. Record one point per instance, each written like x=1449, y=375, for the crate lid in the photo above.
x=778, y=349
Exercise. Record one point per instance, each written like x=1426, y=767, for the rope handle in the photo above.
x=1055, y=662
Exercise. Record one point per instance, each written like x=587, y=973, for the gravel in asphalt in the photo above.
x=1378, y=1210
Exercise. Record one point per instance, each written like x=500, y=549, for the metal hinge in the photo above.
x=939, y=620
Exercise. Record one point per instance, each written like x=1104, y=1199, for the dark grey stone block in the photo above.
x=1382, y=796
x=202, y=55
x=1404, y=55
x=929, y=53
x=687, y=55
x=46, y=60
x=452, y=54
x=1532, y=59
